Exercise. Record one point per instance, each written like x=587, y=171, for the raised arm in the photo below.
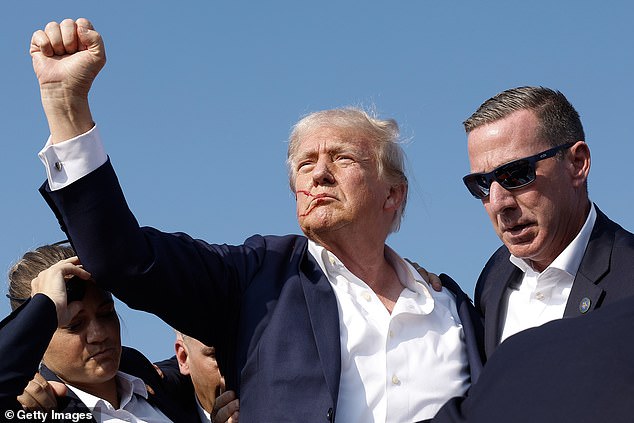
x=66, y=59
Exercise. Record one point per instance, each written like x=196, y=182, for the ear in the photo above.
x=181, y=356
x=579, y=157
x=395, y=197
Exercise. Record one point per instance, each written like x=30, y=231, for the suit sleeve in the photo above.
x=187, y=282
x=24, y=337
x=568, y=370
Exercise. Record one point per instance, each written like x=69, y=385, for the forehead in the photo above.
x=496, y=143
x=333, y=138
x=94, y=297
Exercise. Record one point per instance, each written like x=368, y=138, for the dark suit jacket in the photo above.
x=569, y=370
x=606, y=274
x=265, y=305
x=25, y=335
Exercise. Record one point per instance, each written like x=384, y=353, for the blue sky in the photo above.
x=197, y=99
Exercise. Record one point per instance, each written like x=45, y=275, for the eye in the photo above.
x=108, y=314
x=304, y=165
x=344, y=159
x=74, y=326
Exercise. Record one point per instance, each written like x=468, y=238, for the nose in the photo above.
x=96, y=332
x=322, y=174
x=500, y=199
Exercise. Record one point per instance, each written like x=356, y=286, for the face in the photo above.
x=337, y=185
x=538, y=221
x=87, y=351
x=199, y=361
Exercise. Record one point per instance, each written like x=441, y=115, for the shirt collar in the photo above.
x=416, y=287
x=127, y=385
x=570, y=258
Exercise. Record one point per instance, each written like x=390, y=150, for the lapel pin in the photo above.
x=584, y=305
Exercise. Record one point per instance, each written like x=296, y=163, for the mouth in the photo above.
x=517, y=230
x=316, y=196
x=315, y=201
x=104, y=354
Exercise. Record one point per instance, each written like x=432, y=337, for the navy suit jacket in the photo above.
x=24, y=337
x=606, y=274
x=569, y=370
x=265, y=305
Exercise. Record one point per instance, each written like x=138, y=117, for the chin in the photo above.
x=103, y=374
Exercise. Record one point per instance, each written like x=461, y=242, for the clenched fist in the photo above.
x=67, y=57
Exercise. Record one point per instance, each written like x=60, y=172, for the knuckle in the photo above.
x=51, y=25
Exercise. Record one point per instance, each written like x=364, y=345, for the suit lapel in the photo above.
x=471, y=324
x=586, y=293
x=324, y=318
x=507, y=275
x=69, y=403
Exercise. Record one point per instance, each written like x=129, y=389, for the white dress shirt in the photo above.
x=133, y=405
x=399, y=367
x=542, y=296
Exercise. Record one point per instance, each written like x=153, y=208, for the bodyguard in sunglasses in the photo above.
x=562, y=257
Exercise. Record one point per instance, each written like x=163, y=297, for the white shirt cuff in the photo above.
x=70, y=160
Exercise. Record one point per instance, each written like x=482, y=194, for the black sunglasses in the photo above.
x=513, y=175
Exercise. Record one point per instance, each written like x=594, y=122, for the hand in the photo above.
x=431, y=278
x=159, y=371
x=70, y=53
x=41, y=394
x=226, y=408
x=52, y=283
x=66, y=59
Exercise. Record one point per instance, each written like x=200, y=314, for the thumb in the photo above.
x=59, y=388
x=90, y=40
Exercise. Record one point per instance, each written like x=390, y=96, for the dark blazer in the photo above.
x=606, y=274
x=569, y=370
x=24, y=337
x=264, y=305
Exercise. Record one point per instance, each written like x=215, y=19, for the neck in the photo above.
x=365, y=258
x=105, y=390
x=575, y=224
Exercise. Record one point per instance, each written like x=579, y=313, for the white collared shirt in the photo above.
x=542, y=296
x=399, y=367
x=133, y=405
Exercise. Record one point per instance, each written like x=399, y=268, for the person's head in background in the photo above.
x=199, y=362
x=86, y=352
x=529, y=167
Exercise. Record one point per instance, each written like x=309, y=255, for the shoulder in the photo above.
x=134, y=363
x=606, y=228
x=277, y=241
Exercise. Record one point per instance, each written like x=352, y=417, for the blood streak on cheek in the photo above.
x=311, y=206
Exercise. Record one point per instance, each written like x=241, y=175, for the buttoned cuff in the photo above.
x=70, y=160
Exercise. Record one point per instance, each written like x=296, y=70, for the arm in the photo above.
x=66, y=59
x=155, y=271
x=24, y=336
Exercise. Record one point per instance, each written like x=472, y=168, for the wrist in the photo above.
x=68, y=112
